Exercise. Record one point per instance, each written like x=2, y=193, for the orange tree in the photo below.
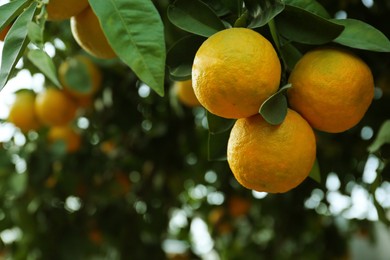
x=148, y=171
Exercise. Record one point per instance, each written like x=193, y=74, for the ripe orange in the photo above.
x=68, y=135
x=60, y=9
x=4, y=32
x=331, y=88
x=89, y=35
x=234, y=72
x=185, y=93
x=22, y=113
x=269, y=158
x=80, y=78
x=54, y=107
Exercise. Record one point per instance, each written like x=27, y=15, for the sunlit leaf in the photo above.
x=45, y=64
x=383, y=137
x=15, y=44
x=315, y=172
x=136, y=33
x=9, y=11
x=195, y=17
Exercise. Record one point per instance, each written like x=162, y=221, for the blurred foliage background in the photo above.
x=141, y=187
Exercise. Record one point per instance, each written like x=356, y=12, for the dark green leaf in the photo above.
x=45, y=64
x=181, y=55
x=235, y=6
x=383, y=137
x=309, y=5
x=298, y=25
x=360, y=35
x=9, y=11
x=218, y=124
x=217, y=146
x=315, y=172
x=194, y=17
x=262, y=11
x=35, y=34
x=15, y=44
x=274, y=109
x=136, y=33
x=217, y=6
x=290, y=55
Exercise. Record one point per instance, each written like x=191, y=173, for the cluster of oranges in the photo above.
x=237, y=69
x=85, y=26
x=57, y=108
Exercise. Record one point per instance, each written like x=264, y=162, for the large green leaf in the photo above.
x=181, y=56
x=45, y=64
x=235, y=6
x=262, y=11
x=360, y=35
x=136, y=33
x=290, y=55
x=194, y=17
x=309, y=5
x=15, y=44
x=9, y=11
x=299, y=25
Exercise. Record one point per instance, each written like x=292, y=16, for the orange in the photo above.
x=22, y=113
x=54, y=107
x=68, y=135
x=234, y=72
x=89, y=35
x=4, y=32
x=80, y=78
x=331, y=88
x=271, y=158
x=185, y=93
x=64, y=9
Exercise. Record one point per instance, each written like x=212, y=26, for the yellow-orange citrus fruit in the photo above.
x=54, y=107
x=185, y=93
x=331, y=88
x=234, y=72
x=64, y=9
x=88, y=33
x=269, y=158
x=68, y=135
x=80, y=77
x=22, y=113
x=4, y=32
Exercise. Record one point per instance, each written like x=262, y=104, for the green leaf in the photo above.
x=136, y=33
x=360, y=35
x=262, y=11
x=9, y=11
x=235, y=6
x=35, y=34
x=181, y=56
x=383, y=137
x=274, y=109
x=217, y=146
x=309, y=5
x=299, y=25
x=194, y=17
x=290, y=55
x=217, y=6
x=218, y=124
x=45, y=64
x=15, y=44
x=18, y=183
x=315, y=172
